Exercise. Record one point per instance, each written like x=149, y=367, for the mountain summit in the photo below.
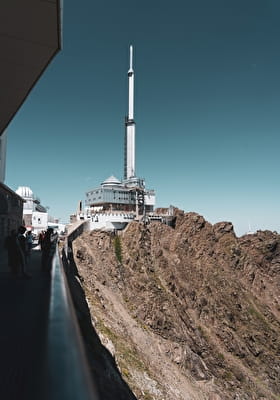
x=187, y=313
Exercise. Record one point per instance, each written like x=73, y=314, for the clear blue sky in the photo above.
x=207, y=76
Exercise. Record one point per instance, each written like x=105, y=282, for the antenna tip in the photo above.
x=131, y=55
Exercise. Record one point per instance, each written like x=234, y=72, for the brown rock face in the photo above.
x=189, y=313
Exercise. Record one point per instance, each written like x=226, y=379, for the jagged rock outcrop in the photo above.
x=188, y=313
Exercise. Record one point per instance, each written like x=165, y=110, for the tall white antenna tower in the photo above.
x=129, y=159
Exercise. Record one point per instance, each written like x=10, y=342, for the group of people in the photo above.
x=47, y=241
x=19, y=245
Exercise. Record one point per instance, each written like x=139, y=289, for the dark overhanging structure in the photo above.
x=30, y=37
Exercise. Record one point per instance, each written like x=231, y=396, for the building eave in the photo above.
x=10, y=191
x=30, y=38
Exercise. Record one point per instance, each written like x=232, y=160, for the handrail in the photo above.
x=68, y=370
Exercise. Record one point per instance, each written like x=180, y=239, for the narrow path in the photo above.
x=23, y=332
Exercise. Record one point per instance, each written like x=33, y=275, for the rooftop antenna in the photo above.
x=130, y=59
x=129, y=159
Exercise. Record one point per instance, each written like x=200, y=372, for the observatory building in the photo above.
x=115, y=203
x=35, y=216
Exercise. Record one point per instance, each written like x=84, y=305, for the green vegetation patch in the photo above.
x=258, y=316
x=127, y=357
x=118, y=248
x=220, y=356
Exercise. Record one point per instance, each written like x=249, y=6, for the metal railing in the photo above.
x=68, y=371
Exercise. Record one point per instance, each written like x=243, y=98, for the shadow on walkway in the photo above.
x=24, y=315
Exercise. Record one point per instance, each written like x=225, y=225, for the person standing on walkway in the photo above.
x=48, y=248
x=41, y=238
x=12, y=247
x=22, y=244
x=29, y=239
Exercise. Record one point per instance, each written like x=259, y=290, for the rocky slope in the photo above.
x=189, y=313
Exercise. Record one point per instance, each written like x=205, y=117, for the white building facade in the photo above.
x=35, y=216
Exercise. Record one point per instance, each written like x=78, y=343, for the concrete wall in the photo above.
x=11, y=207
x=110, y=221
x=39, y=221
x=77, y=229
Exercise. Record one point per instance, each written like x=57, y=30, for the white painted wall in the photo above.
x=150, y=200
x=39, y=221
x=57, y=227
x=110, y=221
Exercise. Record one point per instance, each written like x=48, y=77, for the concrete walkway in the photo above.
x=23, y=332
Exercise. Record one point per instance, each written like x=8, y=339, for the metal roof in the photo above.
x=29, y=38
x=112, y=180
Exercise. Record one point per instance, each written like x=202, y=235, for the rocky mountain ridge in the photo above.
x=188, y=313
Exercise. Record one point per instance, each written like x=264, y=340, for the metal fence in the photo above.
x=68, y=371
